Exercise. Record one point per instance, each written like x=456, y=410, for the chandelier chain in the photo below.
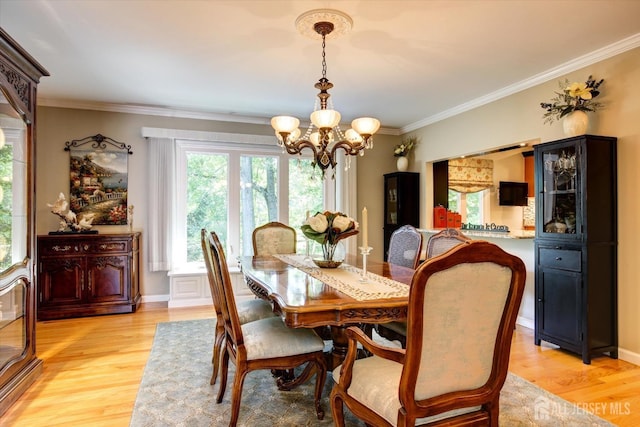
x=324, y=58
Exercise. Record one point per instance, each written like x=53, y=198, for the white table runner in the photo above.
x=346, y=279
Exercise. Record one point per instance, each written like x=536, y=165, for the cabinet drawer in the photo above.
x=561, y=258
x=59, y=248
x=111, y=245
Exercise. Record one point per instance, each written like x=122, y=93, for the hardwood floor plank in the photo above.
x=93, y=367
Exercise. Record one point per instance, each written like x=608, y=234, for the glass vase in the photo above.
x=328, y=255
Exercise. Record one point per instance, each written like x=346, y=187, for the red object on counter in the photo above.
x=451, y=219
x=439, y=217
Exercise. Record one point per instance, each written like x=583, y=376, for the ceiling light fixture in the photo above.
x=324, y=136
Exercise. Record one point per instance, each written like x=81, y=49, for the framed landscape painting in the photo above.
x=98, y=177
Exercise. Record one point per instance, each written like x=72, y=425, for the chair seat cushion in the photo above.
x=375, y=384
x=269, y=338
x=254, y=309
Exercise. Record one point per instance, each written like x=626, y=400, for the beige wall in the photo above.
x=518, y=118
x=55, y=126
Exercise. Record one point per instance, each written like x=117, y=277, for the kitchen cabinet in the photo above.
x=401, y=203
x=576, y=245
x=85, y=275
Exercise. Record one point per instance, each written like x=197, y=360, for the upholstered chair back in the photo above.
x=274, y=238
x=444, y=240
x=405, y=247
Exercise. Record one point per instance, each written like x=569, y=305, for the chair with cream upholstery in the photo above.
x=444, y=240
x=461, y=315
x=437, y=244
x=261, y=344
x=405, y=246
x=248, y=310
x=274, y=238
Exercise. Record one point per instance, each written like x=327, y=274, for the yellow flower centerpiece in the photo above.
x=573, y=97
x=327, y=229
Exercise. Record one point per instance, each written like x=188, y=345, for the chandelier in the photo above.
x=324, y=136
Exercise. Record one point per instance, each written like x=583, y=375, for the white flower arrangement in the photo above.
x=69, y=220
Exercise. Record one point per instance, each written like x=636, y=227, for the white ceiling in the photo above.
x=406, y=62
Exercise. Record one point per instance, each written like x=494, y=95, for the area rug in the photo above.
x=175, y=391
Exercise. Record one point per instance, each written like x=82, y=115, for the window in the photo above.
x=233, y=188
x=469, y=205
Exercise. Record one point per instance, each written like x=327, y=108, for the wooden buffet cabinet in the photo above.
x=88, y=274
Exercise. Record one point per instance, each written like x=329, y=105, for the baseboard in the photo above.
x=154, y=298
x=191, y=302
x=629, y=356
x=527, y=323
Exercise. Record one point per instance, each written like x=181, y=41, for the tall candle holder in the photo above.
x=364, y=251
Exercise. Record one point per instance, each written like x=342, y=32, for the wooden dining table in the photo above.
x=307, y=297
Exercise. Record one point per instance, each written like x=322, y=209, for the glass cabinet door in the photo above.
x=560, y=189
x=392, y=201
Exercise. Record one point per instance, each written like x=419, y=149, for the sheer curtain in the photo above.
x=161, y=202
x=346, y=200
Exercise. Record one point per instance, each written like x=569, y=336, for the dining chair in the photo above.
x=248, y=310
x=274, y=238
x=262, y=344
x=444, y=240
x=437, y=244
x=405, y=247
x=461, y=314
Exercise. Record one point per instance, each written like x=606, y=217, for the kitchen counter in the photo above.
x=513, y=234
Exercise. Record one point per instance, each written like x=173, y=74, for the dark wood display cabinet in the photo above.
x=88, y=274
x=401, y=203
x=576, y=245
x=19, y=77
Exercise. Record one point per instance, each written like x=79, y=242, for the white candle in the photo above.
x=365, y=240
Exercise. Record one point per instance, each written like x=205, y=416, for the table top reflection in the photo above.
x=305, y=301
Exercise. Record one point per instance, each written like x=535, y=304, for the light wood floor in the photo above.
x=93, y=366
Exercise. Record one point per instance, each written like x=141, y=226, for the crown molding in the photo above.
x=598, y=55
x=170, y=112
x=601, y=54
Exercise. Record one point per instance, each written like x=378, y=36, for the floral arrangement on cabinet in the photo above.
x=69, y=221
x=403, y=149
x=328, y=228
x=572, y=97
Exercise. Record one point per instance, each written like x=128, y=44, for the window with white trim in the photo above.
x=233, y=188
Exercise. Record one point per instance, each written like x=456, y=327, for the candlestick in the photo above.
x=364, y=251
x=365, y=237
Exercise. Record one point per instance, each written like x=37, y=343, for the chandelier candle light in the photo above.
x=324, y=136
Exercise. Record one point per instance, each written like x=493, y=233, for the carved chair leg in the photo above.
x=224, y=371
x=236, y=396
x=217, y=349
